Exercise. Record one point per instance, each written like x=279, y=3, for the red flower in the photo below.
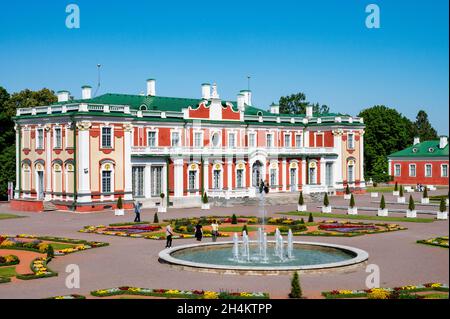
x=124, y=288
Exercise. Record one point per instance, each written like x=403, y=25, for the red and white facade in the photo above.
x=85, y=154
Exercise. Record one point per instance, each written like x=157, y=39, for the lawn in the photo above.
x=8, y=271
x=229, y=229
x=10, y=216
x=59, y=246
x=380, y=189
x=362, y=217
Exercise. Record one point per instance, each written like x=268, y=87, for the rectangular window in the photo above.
x=329, y=174
x=412, y=170
x=58, y=138
x=175, y=139
x=151, y=139
x=298, y=140
x=444, y=170
x=428, y=170
x=287, y=140
x=156, y=180
x=351, y=174
x=269, y=140
x=106, y=137
x=40, y=139
x=273, y=177
x=216, y=179
x=397, y=170
x=138, y=181
x=351, y=141
x=252, y=140
x=198, y=139
x=106, y=181
x=239, y=178
x=192, y=180
x=231, y=140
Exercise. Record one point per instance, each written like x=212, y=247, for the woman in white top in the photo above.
x=214, y=230
x=168, y=236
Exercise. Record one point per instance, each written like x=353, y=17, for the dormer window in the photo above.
x=414, y=150
x=143, y=107
x=431, y=150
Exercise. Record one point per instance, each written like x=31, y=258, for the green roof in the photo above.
x=424, y=149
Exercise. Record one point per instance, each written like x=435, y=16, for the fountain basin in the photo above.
x=307, y=256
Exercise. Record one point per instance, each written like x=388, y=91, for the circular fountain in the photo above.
x=261, y=256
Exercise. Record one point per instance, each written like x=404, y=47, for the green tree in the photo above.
x=293, y=104
x=442, y=205
x=347, y=190
x=386, y=131
x=326, y=201
x=119, y=203
x=411, y=205
x=425, y=192
x=401, y=191
x=423, y=127
x=205, y=198
x=155, y=218
x=382, y=202
x=8, y=106
x=50, y=252
x=301, y=201
x=396, y=186
x=310, y=218
x=352, y=201
x=296, y=290
x=234, y=220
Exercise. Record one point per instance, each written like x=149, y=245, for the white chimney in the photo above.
x=416, y=140
x=309, y=111
x=151, y=87
x=206, y=91
x=248, y=96
x=63, y=96
x=443, y=141
x=86, y=92
x=241, y=102
x=274, y=108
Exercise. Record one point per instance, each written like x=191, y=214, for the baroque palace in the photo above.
x=84, y=154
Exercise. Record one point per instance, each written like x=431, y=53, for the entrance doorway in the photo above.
x=293, y=179
x=256, y=173
x=40, y=185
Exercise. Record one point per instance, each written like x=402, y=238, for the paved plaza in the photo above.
x=134, y=261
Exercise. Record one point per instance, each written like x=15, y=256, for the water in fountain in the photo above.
x=245, y=246
x=290, y=245
x=280, y=247
x=277, y=242
x=260, y=241
x=235, y=247
x=264, y=244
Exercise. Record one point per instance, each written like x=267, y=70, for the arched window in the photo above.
x=240, y=175
x=193, y=177
x=57, y=176
x=217, y=176
x=107, y=177
x=351, y=170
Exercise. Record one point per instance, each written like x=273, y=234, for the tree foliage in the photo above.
x=423, y=127
x=382, y=202
x=9, y=103
x=296, y=290
x=301, y=201
x=297, y=103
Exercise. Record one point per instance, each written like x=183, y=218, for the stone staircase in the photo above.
x=49, y=206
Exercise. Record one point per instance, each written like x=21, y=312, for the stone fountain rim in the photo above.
x=166, y=256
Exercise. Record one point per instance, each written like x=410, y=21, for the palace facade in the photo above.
x=84, y=154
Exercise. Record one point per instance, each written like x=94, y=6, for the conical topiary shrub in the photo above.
x=382, y=202
x=411, y=204
x=425, y=192
x=310, y=218
x=205, y=198
x=326, y=201
x=244, y=229
x=352, y=201
x=396, y=187
x=296, y=290
x=301, y=201
x=347, y=190
x=119, y=203
x=442, y=206
x=234, y=220
x=155, y=218
x=401, y=191
x=50, y=252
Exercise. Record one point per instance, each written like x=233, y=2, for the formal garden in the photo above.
x=26, y=257
x=437, y=241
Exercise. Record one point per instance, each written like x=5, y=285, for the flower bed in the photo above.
x=40, y=270
x=9, y=260
x=402, y=292
x=73, y=296
x=37, y=244
x=174, y=293
x=438, y=241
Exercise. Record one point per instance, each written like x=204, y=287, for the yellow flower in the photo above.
x=345, y=292
x=378, y=293
x=210, y=295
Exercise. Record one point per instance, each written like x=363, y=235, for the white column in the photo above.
x=283, y=174
x=390, y=167
x=230, y=174
x=306, y=139
x=178, y=177
x=304, y=181
x=361, y=161
x=18, y=165
x=83, y=167
x=48, y=163
x=322, y=171
x=338, y=163
x=205, y=175
x=147, y=181
x=127, y=162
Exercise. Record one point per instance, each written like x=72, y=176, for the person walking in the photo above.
x=137, y=211
x=214, y=230
x=169, y=234
x=198, y=231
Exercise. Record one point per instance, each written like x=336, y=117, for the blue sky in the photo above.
x=321, y=48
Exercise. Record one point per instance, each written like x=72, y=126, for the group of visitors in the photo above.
x=169, y=233
x=420, y=188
